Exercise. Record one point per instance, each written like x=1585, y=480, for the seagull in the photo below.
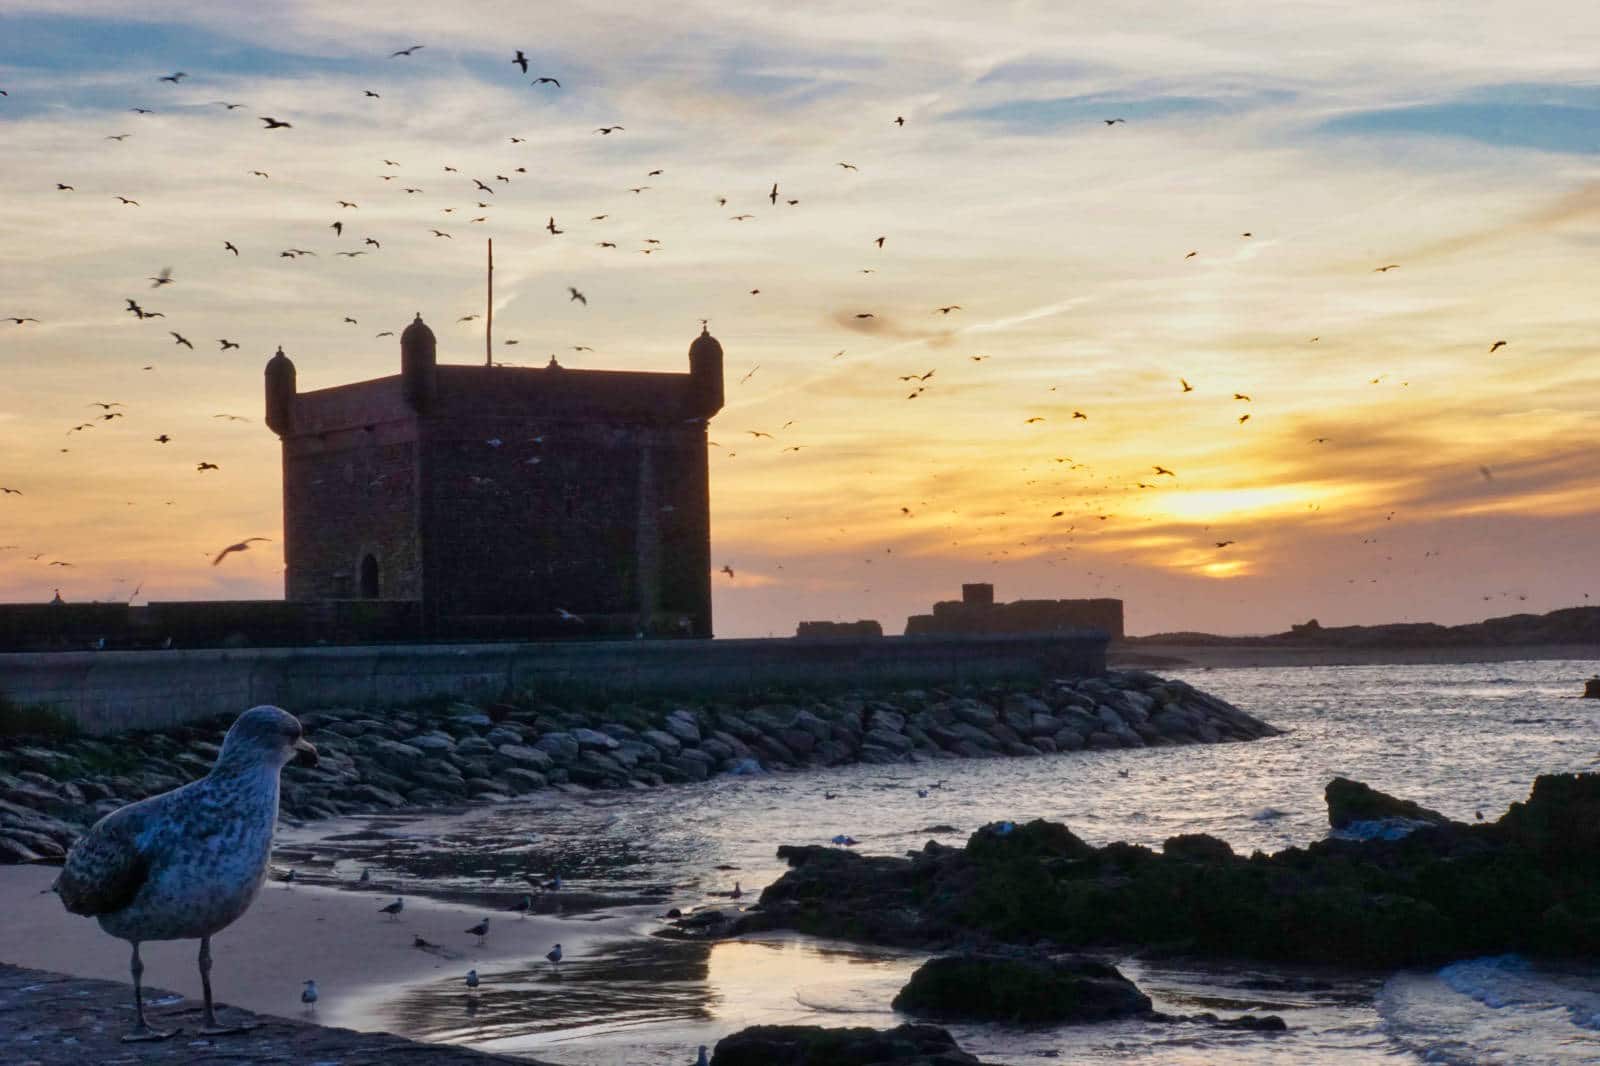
x=525, y=906
x=554, y=954
x=480, y=930
x=405, y=51
x=174, y=78
x=1223, y=543
x=203, y=466
x=1242, y=396
x=849, y=166
x=1386, y=269
x=1496, y=346
x=366, y=876
x=578, y=296
x=274, y=124
x=152, y=870
x=393, y=909
x=243, y=545
x=557, y=84
x=1186, y=386
x=729, y=571
x=521, y=60
x=179, y=338
x=1163, y=470
x=737, y=893
x=608, y=130
x=899, y=120
x=127, y=202
x=948, y=308
x=164, y=278
x=20, y=321
x=472, y=975
x=1113, y=121
x=308, y=995
x=879, y=241
x=228, y=246
x=369, y=92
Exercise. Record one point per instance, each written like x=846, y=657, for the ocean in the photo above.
x=1460, y=739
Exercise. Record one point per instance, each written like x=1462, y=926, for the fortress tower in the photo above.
x=491, y=494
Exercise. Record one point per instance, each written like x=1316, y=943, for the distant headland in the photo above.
x=1568, y=633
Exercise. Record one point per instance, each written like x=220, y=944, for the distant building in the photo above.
x=572, y=498
x=976, y=612
x=866, y=627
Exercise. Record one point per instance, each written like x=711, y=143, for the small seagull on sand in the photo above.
x=480, y=930
x=393, y=910
x=288, y=878
x=308, y=995
x=365, y=878
x=472, y=980
x=554, y=954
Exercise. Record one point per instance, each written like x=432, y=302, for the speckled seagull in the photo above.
x=187, y=863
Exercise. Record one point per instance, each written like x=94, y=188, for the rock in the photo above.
x=528, y=758
x=818, y=728
x=665, y=743
x=1591, y=689
x=681, y=724
x=1197, y=847
x=562, y=747
x=884, y=738
x=994, y=988
x=14, y=851
x=1351, y=801
x=591, y=738
x=1259, y=1023
x=433, y=743
x=975, y=714
x=799, y=741
x=810, y=1045
x=519, y=779
x=392, y=753
x=373, y=794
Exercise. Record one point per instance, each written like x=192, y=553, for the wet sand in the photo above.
x=1252, y=656
x=334, y=936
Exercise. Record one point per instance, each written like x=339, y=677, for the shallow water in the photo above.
x=1460, y=739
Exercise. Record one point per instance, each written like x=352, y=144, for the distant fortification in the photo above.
x=976, y=612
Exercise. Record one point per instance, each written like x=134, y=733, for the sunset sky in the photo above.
x=1392, y=467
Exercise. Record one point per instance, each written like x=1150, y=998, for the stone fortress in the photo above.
x=577, y=500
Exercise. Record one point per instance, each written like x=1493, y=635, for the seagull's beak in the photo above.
x=307, y=752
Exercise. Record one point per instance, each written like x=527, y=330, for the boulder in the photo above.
x=593, y=738
x=810, y=1045
x=682, y=725
x=526, y=757
x=1351, y=801
x=562, y=747
x=667, y=744
x=1068, y=990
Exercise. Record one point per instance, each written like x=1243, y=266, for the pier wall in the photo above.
x=111, y=691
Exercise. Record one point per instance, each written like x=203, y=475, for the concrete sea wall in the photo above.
x=109, y=692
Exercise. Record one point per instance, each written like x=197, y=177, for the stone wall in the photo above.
x=108, y=692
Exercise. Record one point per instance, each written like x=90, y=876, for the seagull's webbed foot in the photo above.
x=146, y=1035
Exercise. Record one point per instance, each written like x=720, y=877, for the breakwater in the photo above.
x=114, y=691
x=448, y=754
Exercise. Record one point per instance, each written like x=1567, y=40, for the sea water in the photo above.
x=1461, y=739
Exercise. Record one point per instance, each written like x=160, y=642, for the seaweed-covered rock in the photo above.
x=1351, y=801
x=1000, y=988
x=810, y=1045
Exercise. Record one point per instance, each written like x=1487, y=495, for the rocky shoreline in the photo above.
x=448, y=755
x=1395, y=885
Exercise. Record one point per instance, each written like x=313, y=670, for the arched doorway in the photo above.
x=369, y=577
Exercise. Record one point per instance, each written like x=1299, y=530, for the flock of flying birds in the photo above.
x=483, y=195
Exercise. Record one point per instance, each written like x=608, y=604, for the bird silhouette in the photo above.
x=20, y=321
x=1223, y=543
x=729, y=571
x=879, y=241
x=948, y=308
x=848, y=166
x=204, y=466
x=557, y=84
x=405, y=51
x=1113, y=121
x=1243, y=419
x=899, y=120
x=608, y=129
x=243, y=545
x=1496, y=346
x=274, y=124
x=229, y=246
x=1080, y=414
x=369, y=92
x=178, y=338
x=174, y=78
x=226, y=343
x=521, y=61
x=127, y=202
x=1186, y=386
x=338, y=229
x=1386, y=269
x=65, y=188
x=574, y=294
x=551, y=226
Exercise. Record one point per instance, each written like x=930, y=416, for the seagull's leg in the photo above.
x=142, y=1032
x=211, y=1028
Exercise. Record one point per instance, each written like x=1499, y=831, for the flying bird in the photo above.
x=174, y=78
x=551, y=226
x=948, y=308
x=1386, y=269
x=1223, y=543
x=226, y=343
x=729, y=571
x=274, y=124
x=1031, y=421
x=1243, y=419
x=1080, y=414
x=405, y=51
x=243, y=545
x=557, y=84
x=1163, y=470
x=178, y=338
x=20, y=321
x=65, y=188
x=128, y=202
x=338, y=228
x=1496, y=346
x=608, y=129
x=899, y=120
x=369, y=92
x=879, y=241
x=866, y=314
x=1186, y=386
x=576, y=295
x=228, y=246
x=204, y=466
x=849, y=166
x=1191, y=255
x=521, y=61
x=1241, y=396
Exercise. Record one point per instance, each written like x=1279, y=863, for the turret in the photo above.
x=280, y=393
x=705, y=374
x=419, y=364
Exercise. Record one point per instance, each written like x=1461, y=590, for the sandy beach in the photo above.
x=288, y=935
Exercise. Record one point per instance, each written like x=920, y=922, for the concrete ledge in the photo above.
x=108, y=692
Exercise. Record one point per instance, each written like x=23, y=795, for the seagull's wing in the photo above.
x=106, y=868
